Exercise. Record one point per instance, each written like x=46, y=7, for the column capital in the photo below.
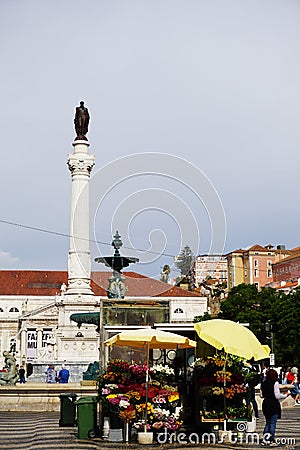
x=81, y=164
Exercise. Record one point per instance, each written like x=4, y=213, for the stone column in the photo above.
x=23, y=344
x=79, y=261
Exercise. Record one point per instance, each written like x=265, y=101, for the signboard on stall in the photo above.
x=31, y=345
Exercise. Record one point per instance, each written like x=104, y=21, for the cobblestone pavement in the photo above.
x=38, y=431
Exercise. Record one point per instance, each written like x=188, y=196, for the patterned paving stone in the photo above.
x=39, y=431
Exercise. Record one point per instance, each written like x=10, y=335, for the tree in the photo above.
x=242, y=306
x=286, y=313
x=245, y=304
x=185, y=261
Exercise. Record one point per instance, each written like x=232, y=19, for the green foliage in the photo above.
x=218, y=289
x=205, y=316
x=246, y=305
x=185, y=260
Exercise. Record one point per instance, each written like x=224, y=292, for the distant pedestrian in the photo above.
x=292, y=378
x=50, y=375
x=254, y=380
x=22, y=375
x=63, y=375
x=285, y=375
x=271, y=407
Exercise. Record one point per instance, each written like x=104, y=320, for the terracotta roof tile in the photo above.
x=259, y=248
x=289, y=284
x=48, y=283
x=295, y=254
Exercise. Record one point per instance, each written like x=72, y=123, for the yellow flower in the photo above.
x=127, y=416
x=112, y=396
x=173, y=397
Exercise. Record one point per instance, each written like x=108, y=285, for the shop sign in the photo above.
x=47, y=333
x=31, y=344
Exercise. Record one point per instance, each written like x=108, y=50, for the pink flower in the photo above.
x=158, y=399
x=114, y=401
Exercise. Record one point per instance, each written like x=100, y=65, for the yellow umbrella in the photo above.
x=149, y=338
x=233, y=337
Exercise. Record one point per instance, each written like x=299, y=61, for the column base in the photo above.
x=79, y=286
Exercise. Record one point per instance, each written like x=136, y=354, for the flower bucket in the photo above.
x=106, y=428
x=251, y=426
x=145, y=438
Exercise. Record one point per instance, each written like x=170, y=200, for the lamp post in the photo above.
x=268, y=329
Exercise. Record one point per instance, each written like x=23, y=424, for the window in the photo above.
x=178, y=311
x=269, y=263
x=255, y=273
x=255, y=263
x=1, y=310
x=14, y=309
x=256, y=284
x=269, y=273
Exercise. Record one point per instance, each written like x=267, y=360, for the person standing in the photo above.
x=22, y=375
x=271, y=407
x=63, y=375
x=252, y=383
x=51, y=375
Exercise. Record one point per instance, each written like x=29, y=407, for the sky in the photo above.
x=195, y=113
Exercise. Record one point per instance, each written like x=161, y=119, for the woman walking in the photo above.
x=271, y=406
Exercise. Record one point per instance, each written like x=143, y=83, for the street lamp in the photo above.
x=268, y=329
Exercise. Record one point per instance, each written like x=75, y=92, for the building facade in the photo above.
x=287, y=269
x=35, y=315
x=254, y=265
x=210, y=266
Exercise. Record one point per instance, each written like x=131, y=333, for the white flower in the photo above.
x=199, y=362
x=163, y=412
x=163, y=369
x=177, y=412
x=124, y=404
x=112, y=386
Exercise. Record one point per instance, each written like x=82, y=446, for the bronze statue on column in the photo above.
x=81, y=122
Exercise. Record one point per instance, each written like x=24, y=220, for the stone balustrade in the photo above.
x=41, y=396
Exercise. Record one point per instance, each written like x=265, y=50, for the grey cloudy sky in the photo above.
x=216, y=83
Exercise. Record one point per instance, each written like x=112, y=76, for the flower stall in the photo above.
x=122, y=391
x=221, y=384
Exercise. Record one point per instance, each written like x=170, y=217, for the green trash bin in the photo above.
x=67, y=410
x=87, y=417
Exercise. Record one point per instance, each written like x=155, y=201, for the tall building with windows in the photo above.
x=253, y=265
x=210, y=266
x=288, y=269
